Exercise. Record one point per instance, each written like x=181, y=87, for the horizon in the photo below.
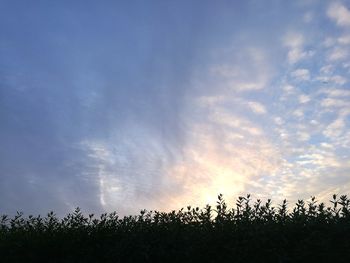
x=159, y=105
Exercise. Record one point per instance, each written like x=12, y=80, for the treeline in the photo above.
x=249, y=232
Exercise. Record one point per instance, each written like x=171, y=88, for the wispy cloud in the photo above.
x=335, y=79
x=248, y=71
x=295, y=42
x=339, y=13
x=151, y=107
x=304, y=98
x=219, y=159
x=344, y=40
x=298, y=113
x=301, y=74
x=335, y=128
x=308, y=17
x=331, y=102
x=335, y=92
x=257, y=107
x=338, y=53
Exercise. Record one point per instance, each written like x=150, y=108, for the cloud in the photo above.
x=331, y=92
x=301, y=74
x=247, y=86
x=219, y=159
x=335, y=128
x=248, y=70
x=331, y=103
x=208, y=101
x=295, y=55
x=329, y=42
x=183, y=117
x=289, y=89
x=226, y=149
x=308, y=17
x=344, y=40
x=327, y=145
x=327, y=69
x=303, y=98
x=338, y=53
x=130, y=169
x=319, y=159
x=336, y=79
x=339, y=13
x=295, y=41
x=257, y=107
x=279, y=120
x=212, y=101
x=303, y=136
x=298, y=113
x=224, y=118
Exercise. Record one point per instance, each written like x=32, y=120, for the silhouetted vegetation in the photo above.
x=250, y=232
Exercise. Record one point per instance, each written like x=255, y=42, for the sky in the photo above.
x=125, y=105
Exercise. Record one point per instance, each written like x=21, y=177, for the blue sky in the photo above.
x=123, y=105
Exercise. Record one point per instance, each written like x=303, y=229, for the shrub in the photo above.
x=249, y=232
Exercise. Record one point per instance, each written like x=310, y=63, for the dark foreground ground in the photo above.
x=258, y=232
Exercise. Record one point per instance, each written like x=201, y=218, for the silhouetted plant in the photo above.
x=250, y=232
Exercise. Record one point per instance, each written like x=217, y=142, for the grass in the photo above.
x=249, y=232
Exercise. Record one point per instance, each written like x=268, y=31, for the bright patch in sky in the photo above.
x=157, y=105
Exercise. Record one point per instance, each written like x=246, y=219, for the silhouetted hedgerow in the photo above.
x=250, y=232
